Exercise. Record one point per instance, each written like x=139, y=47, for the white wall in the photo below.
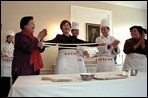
x=84, y=15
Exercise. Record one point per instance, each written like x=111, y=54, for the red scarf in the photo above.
x=35, y=57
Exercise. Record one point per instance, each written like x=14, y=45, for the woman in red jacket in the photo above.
x=27, y=59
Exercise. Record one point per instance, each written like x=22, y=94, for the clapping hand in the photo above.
x=42, y=34
x=141, y=43
x=40, y=44
x=115, y=43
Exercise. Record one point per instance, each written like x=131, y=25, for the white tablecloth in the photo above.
x=34, y=86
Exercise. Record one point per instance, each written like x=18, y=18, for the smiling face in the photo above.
x=135, y=33
x=105, y=31
x=10, y=39
x=30, y=26
x=75, y=32
x=66, y=28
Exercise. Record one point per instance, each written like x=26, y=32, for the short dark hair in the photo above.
x=63, y=22
x=139, y=28
x=131, y=28
x=145, y=31
x=24, y=21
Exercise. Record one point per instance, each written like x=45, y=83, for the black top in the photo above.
x=129, y=47
x=68, y=40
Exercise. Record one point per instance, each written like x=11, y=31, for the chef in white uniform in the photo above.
x=80, y=50
x=7, y=49
x=108, y=49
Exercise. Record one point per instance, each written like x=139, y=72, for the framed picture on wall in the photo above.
x=92, y=31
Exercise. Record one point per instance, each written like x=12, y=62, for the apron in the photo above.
x=105, y=64
x=81, y=64
x=80, y=59
x=68, y=62
x=135, y=61
x=6, y=66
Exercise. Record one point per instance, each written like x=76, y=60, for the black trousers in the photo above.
x=5, y=86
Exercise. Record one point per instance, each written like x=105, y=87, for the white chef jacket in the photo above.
x=6, y=59
x=103, y=50
x=104, y=63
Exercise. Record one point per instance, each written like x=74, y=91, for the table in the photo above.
x=34, y=86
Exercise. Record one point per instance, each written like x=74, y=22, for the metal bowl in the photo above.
x=87, y=76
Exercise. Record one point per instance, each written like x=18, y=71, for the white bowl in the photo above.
x=87, y=76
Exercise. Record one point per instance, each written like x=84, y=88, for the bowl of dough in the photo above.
x=87, y=76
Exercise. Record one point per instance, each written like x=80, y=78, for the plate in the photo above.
x=109, y=78
x=61, y=80
x=57, y=79
x=110, y=75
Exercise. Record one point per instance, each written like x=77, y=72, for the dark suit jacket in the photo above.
x=24, y=46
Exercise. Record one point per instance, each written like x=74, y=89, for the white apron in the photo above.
x=135, y=61
x=105, y=64
x=81, y=64
x=6, y=67
x=6, y=59
x=80, y=59
x=68, y=62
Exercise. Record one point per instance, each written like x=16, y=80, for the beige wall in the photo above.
x=49, y=14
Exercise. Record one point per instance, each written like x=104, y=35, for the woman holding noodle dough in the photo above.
x=66, y=62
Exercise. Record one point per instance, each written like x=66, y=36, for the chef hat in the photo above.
x=105, y=22
x=75, y=25
x=10, y=33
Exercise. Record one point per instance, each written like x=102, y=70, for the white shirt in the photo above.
x=6, y=59
x=7, y=50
